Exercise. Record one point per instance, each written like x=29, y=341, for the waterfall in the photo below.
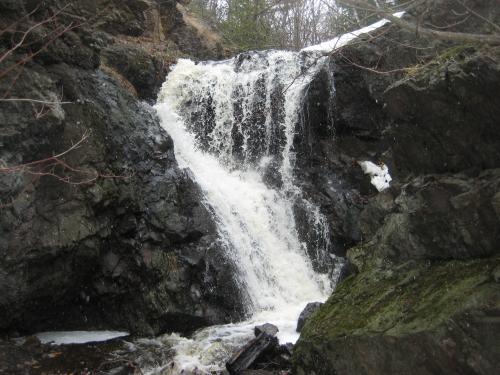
x=233, y=124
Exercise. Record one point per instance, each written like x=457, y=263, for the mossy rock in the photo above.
x=414, y=318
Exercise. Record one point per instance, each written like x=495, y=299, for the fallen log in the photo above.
x=265, y=341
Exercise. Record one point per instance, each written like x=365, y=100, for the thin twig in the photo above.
x=15, y=23
x=399, y=70
x=471, y=11
x=30, y=29
x=493, y=39
x=33, y=101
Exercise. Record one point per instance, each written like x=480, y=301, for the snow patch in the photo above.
x=77, y=337
x=380, y=177
x=342, y=40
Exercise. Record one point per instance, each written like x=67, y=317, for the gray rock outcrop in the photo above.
x=112, y=234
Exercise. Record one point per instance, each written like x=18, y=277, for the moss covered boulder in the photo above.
x=419, y=317
x=426, y=297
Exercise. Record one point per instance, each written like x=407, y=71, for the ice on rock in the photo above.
x=380, y=177
x=77, y=337
x=343, y=39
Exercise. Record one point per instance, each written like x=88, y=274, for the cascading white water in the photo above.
x=234, y=125
x=230, y=121
x=216, y=105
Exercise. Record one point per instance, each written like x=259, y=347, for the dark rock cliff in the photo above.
x=423, y=296
x=112, y=234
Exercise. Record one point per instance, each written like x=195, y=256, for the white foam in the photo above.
x=208, y=350
x=257, y=223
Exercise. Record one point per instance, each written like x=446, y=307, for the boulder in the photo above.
x=267, y=328
x=435, y=217
x=444, y=115
x=414, y=318
x=304, y=316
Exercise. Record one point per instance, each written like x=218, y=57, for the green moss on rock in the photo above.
x=387, y=307
x=410, y=297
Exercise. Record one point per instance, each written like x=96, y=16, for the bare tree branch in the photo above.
x=33, y=101
x=27, y=32
x=13, y=58
x=473, y=12
x=57, y=168
x=446, y=35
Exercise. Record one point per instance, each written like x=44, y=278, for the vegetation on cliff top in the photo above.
x=294, y=24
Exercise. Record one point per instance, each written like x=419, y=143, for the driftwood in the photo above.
x=265, y=341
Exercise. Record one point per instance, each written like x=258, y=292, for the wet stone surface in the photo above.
x=113, y=357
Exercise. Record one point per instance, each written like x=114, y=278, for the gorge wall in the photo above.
x=135, y=249
x=423, y=295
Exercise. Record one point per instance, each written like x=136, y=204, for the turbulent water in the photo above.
x=233, y=124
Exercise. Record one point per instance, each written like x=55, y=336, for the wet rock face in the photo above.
x=436, y=217
x=422, y=297
x=403, y=127
x=445, y=120
x=120, y=239
x=440, y=118
x=143, y=71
